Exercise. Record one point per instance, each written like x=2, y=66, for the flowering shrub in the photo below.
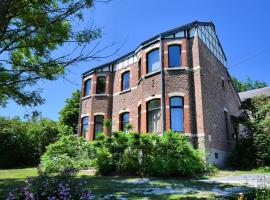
x=52, y=188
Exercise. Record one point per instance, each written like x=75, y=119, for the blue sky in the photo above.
x=243, y=27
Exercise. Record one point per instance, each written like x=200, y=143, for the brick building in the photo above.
x=176, y=80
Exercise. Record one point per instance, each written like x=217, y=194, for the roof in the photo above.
x=156, y=37
x=254, y=93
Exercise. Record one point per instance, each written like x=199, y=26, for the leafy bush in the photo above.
x=148, y=155
x=69, y=153
x=23, y=142
x=56, y=187
x=252, y=149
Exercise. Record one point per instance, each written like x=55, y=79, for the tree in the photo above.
x=70, y=113
x=252, y=149
x=248, y=84
x=39, y=39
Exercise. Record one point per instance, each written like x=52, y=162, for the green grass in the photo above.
x=13, y=178
x=121, y=186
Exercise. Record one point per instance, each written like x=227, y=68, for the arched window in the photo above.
x=139, y=69
x=174, y=56
x=153, y=116
x=101, y=83
x=124, y=121
x=87, y=87
x=153, y=62
x=125, y=81
x=98, y=124
x=139, y=118
x=177, y=114
x=85, y=121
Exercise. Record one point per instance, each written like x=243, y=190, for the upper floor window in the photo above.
x=87, y=87
x=139, y=69
x=153, y=63
x=124, y=121
x=85, y=121
x=125, y=80
x=98, y=124
x=174, y=56
x=101, y=83
x=153, y=116
x=177, y=114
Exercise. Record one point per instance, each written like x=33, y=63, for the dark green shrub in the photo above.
x=23, y=142
x=148, y=155
x=69, y=153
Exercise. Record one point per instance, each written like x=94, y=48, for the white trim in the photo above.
x=174, y=42
x=84, y=115
x=123, y=111
x=88, y=77
x=177, y=68
x=125, y=70
x=156, y=96
x=101, y=74
x=225, y=109
x=177, y=94
x=99, y=113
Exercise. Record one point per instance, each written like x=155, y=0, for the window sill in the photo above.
x=125, y=91
x=152, y=73
x=176, y=68
x=86, y=97
x=100, y=95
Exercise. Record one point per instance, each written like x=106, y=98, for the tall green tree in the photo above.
x=247, y=84
x=252, y=149
x=70, y=112
x=38, y=40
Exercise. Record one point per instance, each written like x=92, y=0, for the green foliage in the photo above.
x=254, y=148
x=31, y=34
x=70, y=113
x=148, y=155
x=248, y=84
x=69, y=153
x=23, y=142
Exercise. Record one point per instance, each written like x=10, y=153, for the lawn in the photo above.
x=112, y=187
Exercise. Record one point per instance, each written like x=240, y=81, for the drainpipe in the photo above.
x=163, y=127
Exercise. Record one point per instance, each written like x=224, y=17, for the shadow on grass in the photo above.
x=112, y=187
x=6, y=185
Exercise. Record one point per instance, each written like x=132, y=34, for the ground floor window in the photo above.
x=177, y=114
x=153, y=116
x=85, y=121
x=124, y=121
x=98, y=124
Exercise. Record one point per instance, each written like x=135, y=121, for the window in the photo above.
x=125, y=80
x=87, y=87
x=139, y=69
x=153, y=63
x=139, y=118
x=177, y=114
x=226, y=124
x=153, y=116
x=85, y=121
x=101, y=83
x=174, y=56
x=98, y=127
x=124, y=121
